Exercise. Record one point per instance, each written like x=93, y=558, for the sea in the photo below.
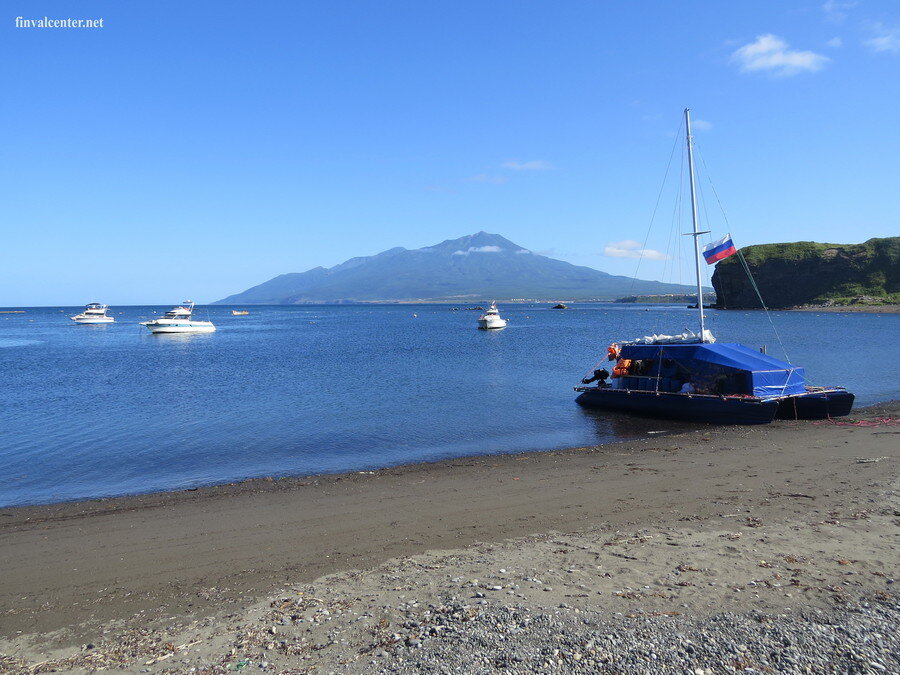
x=90, y=411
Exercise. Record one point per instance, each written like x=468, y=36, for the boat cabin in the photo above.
x=178, y=313
x=702, y=368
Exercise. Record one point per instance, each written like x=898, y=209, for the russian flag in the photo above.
x=719, y=250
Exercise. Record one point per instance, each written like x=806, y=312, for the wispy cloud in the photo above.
x=479, y=249
x=835, y=42
x=836, y=10
x=533, y=165
x=487, y=178
x=769, y=53
x=884, y=40
x=631, y=249
x=701, y=125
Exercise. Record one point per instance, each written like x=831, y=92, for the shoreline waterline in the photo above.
x=99, y=411
x=178, y=565
x=289, y=482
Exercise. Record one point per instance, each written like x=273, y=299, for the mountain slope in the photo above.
x=473, y=267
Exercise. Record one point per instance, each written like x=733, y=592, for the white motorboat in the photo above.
x=491, y=318
x=178, y=320
x=93, y=312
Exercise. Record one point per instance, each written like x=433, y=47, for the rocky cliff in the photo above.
x=807, y=272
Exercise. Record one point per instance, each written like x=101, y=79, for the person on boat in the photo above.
x=687, y=388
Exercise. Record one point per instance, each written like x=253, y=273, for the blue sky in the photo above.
x=195, y=149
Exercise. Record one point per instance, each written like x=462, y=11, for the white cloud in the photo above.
x=479, y=249
x=835, y=42
x=836, y=10
x=885, y=39
x=533, y=165
x=631, y=249
x=523, y=250
x=487, y=178
x=701, y=125
x=769, y=53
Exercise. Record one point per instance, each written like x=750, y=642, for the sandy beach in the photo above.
x=778, y=544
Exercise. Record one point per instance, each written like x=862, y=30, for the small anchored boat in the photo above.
x=93, y=312
x=692, y=377
x=179, y=320
x=491, y=319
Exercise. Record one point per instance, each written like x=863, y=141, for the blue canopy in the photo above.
x=747, y=371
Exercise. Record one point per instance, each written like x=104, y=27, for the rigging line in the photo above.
x=702, y=199
x=706, y=220
x=709, y=179
x=673, y=228
x=682, y=190
x=743, y=260
x=674, y=222
x=669, y=268
x=762, y=302
x=596, y=366
x=658, y=197
x=708, y=175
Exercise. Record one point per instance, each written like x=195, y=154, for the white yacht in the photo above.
x=178, y=320
x=93, y=313
x=491, y=318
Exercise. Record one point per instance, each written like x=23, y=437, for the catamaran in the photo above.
x=692, y=377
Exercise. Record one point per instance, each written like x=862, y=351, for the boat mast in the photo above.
x=696, y=233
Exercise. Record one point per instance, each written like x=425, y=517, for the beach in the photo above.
x=760, y=549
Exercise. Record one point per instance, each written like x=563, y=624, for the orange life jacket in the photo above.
x=622, y=367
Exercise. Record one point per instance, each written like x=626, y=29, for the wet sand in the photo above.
x=198, y=570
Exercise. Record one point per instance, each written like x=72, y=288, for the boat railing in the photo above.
x=686, y=394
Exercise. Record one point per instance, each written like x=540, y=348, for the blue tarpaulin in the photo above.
x=746, y=370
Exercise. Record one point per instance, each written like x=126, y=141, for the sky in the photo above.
x=195, y=149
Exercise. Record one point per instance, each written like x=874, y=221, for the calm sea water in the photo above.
x=92, y=411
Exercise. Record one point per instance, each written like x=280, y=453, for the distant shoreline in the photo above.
x=856, y=309
x=868, y=309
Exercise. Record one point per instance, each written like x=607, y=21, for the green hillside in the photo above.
x=807, y=272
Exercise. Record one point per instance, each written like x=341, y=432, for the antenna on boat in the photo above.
x=696, y=233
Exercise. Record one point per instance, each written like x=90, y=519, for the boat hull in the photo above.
x=496, y=324
x=181, y=329
x=107, y=319
x=686, y=407
x=816, y=405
